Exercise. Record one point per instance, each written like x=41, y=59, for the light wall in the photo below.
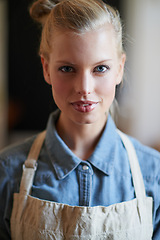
x=143, y=50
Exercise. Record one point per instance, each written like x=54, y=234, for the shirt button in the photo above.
x=85, y=167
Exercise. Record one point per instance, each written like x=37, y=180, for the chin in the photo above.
x=86, y=120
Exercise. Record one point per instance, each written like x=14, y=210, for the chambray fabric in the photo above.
x=103, y=179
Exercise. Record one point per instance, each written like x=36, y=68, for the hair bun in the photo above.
x=40, y=9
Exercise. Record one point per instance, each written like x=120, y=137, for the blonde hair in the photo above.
x=78, y=16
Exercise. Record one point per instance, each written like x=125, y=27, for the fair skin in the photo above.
x=83, y=71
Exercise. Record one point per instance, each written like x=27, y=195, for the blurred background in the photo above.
x=26, y=100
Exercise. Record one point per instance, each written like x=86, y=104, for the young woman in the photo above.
x=81, y=178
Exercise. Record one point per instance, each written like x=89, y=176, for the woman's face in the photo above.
x=83, y=71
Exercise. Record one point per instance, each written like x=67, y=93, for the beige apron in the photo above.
x=35, y=219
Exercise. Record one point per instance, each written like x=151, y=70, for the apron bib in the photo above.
x=36, y=219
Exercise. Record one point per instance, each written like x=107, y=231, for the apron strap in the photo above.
x=135, y=168
x=30, y=164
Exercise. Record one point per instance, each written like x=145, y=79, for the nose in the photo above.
x=84, y=84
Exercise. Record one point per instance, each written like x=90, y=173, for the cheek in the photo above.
x=107, y=88
x=58, y=86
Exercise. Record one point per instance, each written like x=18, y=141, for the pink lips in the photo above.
x=84, y=106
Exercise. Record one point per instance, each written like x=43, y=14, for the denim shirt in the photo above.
x=104, y=179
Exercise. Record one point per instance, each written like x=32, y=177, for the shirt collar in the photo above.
x=104, y=153
x=64, y=160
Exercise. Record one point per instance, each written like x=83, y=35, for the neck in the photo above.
x=81, y=139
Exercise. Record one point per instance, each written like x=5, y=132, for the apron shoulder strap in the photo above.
x=30, y=164
x=135, y=168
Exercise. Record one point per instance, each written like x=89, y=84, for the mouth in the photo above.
x=84, y=106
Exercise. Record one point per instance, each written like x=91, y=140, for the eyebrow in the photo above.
x=105, y=60
x=70, y=63
x=65, y=62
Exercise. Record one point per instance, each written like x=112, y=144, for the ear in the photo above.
x=121, y=63
x=46, y=74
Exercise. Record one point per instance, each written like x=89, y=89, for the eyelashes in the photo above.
x=101, y=68
x=66, y=69
x=97, y=69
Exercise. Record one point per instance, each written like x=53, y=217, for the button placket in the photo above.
x=85, y=183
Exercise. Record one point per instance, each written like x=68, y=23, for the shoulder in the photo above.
x=149, y=159
x=13, y=156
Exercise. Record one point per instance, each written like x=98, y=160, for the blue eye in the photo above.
x=101, y=68
x=66, y=69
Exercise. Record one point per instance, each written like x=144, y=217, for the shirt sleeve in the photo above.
x=156, y=216
x=5, y=202
x=156, y=234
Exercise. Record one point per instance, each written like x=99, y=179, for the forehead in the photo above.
x=91, y=44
